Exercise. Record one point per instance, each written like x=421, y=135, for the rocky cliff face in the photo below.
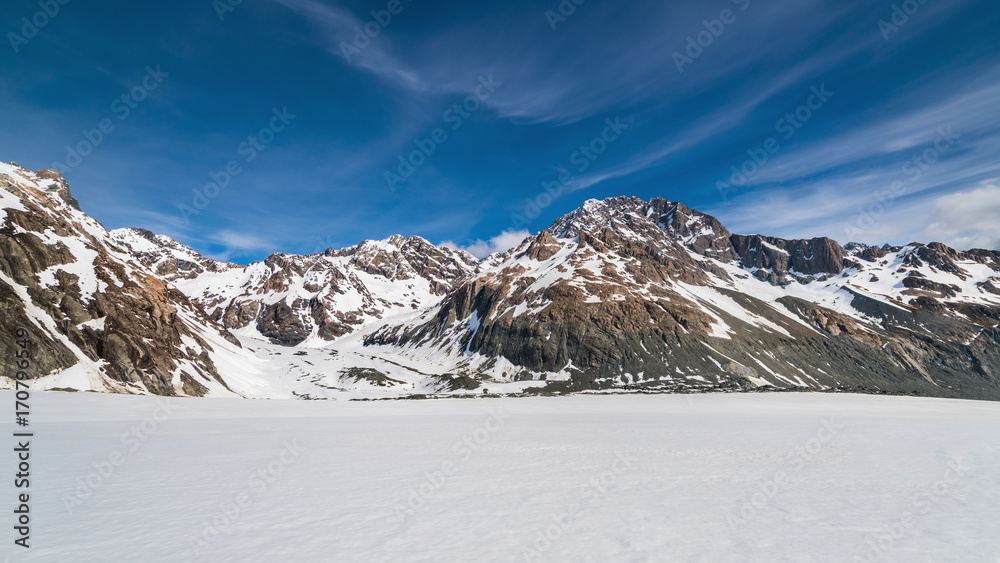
x=164, y=256
x=781, y=261
x=652, y=294
x=96, y=317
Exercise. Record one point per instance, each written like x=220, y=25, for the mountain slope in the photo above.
x=625, y=292
x=96, y=319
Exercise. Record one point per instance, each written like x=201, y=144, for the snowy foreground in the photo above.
x=762, y=477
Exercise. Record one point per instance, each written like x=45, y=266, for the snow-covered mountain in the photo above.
x=290, y=299
x=619, y=293
x=625, y=292
x=93, y=317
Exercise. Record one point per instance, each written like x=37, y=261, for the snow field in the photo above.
x=749, y=477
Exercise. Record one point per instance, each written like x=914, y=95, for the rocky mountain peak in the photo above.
x=594, y=215
x=96, y=316
x=165, y=256
x=58, y=185
x=636, y=217
x=50, y=182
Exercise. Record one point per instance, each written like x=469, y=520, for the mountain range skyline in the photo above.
x=619, y=294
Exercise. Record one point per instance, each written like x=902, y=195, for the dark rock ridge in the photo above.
x=776, y=258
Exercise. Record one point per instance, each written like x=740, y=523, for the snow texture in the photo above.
x=759, y=477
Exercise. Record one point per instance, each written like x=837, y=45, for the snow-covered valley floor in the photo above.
x=760, y=477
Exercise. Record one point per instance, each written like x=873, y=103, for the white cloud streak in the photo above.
x=969, y=219
x=482, y=248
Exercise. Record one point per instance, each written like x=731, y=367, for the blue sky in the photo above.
x=926, y=88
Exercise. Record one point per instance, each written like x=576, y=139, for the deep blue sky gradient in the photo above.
x=321, y=183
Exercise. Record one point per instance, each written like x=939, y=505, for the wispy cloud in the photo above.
x=969, y=219
x=839, y=185
x=483, y=248
x=235, y=243
x=339, y=27
x=882, y=133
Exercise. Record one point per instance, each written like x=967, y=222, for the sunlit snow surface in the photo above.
x=605, y=478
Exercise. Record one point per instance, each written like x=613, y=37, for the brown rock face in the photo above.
x=543, y=247
x=140, y=331
x=280, y=323
x=47, y=355
x=991, y=287
x=240, y=314
x=706, y=234
x=916, y=281
x=991, y=257
x=777, y=258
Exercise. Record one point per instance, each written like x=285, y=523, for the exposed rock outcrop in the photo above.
x=88, y=307
x=630, y=293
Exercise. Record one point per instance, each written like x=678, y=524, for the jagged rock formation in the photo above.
x=289, y=298
x=628, y=292
x=94, y=315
